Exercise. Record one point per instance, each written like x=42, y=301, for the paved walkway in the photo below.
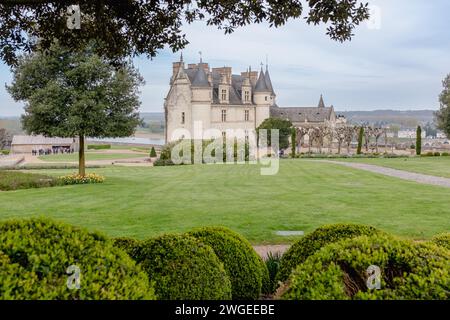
x=405, y=175
x=263, y=251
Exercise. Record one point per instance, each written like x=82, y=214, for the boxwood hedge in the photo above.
x=340, y=271
x=181, y=267
x=244, y=267
x=442, y=240
x=35, y=256
x=315, y=240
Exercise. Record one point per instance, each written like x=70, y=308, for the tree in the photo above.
x=293, y=142
x=418, y=141
x=76, y=94
x=153, y=153
x=340, y=137
x=360, y=140
x=284, y=127
x=443, y=114
x=5, y=138
x=124, y=28
x=348, y=137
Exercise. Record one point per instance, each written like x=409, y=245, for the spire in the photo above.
x=261, y=85
x=268, y=81
x=321, y=103
x=181, y=56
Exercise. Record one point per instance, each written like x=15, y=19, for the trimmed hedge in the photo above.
x=129, y=245
x=317, y=239
x=99, y=146
x=35, y=255
x=442, y=240
x=14, y=180
x=339, y=271
x=183, y=268
x=243, y=265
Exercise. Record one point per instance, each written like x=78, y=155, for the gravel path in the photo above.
x=405, y=175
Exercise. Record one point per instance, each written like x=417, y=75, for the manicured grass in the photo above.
x=435, y=166
x=144, y=202
x=14, y=180
x=89, y=156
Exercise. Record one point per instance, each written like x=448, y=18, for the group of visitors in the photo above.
x=52, y=150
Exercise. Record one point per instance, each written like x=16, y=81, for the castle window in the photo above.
x=247, y=96
x=224, y=115
x=224, y=135
x=183, y=117
x=246, y=115
x=266, y=98
x=224, y=94
x=246, y=136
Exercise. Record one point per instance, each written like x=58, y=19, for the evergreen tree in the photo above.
x=419, y=141
x=293, y=142
x=360, y=140
x=153, y=153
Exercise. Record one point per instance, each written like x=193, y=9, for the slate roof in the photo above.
x=300, y=114
x=200, y=78
x=261, y=84
x=40, y=140
x=268, y=81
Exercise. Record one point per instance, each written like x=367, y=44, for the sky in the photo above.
x=395, y=61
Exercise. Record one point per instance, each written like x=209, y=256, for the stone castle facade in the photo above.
x=218, y=102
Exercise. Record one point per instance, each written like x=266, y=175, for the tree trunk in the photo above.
x=339, y=148
x=81, y=158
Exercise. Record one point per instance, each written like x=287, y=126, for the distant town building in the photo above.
x=28, y=144
x=220, y=100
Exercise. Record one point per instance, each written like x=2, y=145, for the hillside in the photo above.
x=406, y=119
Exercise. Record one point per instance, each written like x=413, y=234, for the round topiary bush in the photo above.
x=315, y=240
x=243, y=265
x=129, y=245
x=183, y=268
x=442, y=240
x=342, y=271
x=42, y=259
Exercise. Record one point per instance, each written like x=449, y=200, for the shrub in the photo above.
x=360, y=140
x=445, y=154
x=242, y=264
x=273, y=261
x=419, y=140
x=79, y=179
x=99, y=146
x=442, y=240
x=340, y=271
x=437, y=154
x=35, y=255
x=13, y=180
x=4, y=152
x=129, y=245
x=183, y=268
x=153, y=153
x=314, y=241
x=163, y=162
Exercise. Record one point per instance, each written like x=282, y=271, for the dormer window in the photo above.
x=247, y=96
x=224, y=94
x=246, y=115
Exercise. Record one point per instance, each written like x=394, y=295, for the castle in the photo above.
x=222, y=102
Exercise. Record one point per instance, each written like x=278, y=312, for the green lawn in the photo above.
x=436, y=166
x=89, y=156
x=143, y=202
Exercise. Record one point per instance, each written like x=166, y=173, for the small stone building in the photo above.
x=26, y=144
